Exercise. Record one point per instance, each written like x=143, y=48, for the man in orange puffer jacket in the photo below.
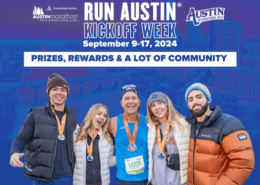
x=220, y=150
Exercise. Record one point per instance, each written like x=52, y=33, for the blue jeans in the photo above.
x=60, y=181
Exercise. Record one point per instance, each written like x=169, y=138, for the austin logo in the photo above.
x=38, y=13
x=199, y=16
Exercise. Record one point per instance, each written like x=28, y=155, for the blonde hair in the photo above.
x=88, y=122
x=172, y=116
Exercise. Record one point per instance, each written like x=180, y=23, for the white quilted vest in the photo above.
x=107, y=159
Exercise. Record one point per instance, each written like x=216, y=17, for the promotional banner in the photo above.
x=100, y=46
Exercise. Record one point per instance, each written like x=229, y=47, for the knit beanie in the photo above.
x=157, y=96
x=198, y=86
x=56, y=80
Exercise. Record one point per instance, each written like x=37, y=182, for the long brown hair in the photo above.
x=88, y=122
x=172, y=115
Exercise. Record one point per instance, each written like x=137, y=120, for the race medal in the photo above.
x=161, y=155
x=90, y=158
x=90, y=147
x=61, y=126
x=61, y=137
x=131, y=147
x=134, y=165
x=161, y=144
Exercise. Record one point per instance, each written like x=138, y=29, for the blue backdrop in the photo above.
x=235, y=90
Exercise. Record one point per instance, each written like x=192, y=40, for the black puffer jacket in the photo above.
x=41, y=149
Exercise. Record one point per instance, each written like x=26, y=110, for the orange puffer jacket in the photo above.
x=220, y=151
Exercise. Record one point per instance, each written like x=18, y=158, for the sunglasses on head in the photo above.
x=132, y=86
x=127, y=88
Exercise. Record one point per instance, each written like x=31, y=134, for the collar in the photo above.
x=66, y=109
x=100, y=132
x=152, y=127
x=216, y=112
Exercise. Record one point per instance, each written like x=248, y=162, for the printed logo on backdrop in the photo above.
x=39, y=14
x=64, y=8
x=49, y=8
x=210, y=14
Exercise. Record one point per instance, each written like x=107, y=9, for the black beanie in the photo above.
x=56, y=80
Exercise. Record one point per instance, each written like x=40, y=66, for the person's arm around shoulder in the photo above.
x=113, y=126
x=112, y=129
x=238, y=147
x=112, y=158
x=19, y=142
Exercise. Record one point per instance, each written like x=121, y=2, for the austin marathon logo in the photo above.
x=199, y=16
x=39, y=14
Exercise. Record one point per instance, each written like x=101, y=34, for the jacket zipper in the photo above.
x=54, y=156
x=194, y=148
x=92, y=163
x=193, y=159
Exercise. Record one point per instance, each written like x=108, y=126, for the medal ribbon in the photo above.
x=63, y=121
x=161, y=144
x=90, y=147
x=131, y=138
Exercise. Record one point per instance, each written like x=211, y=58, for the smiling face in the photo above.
x=100, y=118
x=198, y=103
x=58, y=95
x=159, y=109
x=130, y=102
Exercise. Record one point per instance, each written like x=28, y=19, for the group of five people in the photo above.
x=163, y=148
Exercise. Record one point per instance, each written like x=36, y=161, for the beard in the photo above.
x=199, y=112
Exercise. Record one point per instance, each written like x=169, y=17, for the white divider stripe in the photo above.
x=130, y=59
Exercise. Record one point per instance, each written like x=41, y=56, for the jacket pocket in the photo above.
x=35, y=156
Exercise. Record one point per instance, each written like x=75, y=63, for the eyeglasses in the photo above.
x=127, y=88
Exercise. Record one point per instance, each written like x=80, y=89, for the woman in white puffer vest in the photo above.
x=93, y=147
x=168, y=139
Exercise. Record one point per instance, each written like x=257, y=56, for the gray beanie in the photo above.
x=157, y=96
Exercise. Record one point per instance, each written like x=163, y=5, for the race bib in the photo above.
x=134, y=165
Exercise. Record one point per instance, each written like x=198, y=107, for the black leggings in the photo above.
x=121, y=182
